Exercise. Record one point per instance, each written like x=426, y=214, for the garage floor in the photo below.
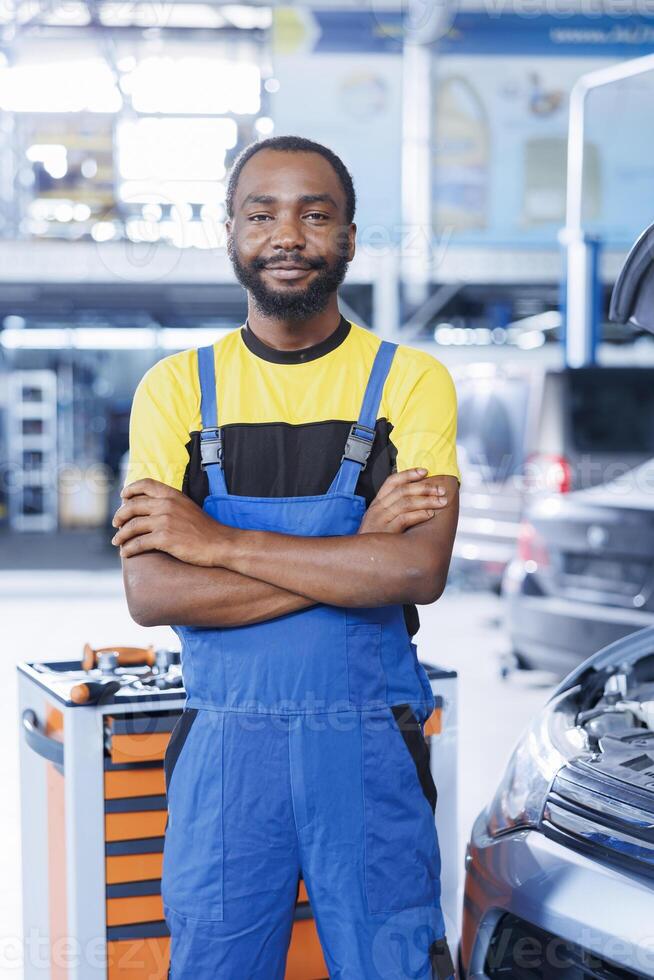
x=47, y=614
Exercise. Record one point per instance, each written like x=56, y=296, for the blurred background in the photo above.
x=118, y=125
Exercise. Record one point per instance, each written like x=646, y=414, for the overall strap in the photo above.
x=211, y=437
x=362, y=434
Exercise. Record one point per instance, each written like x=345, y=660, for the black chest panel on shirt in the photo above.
x=276, y=459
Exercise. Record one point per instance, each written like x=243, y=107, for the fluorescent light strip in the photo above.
x=180, y=338
x=110, y=338
x=114, y=338
x=49, y=339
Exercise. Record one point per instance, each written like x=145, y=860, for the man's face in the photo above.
x=288, y=239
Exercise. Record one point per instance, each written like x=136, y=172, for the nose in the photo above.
x=288, y=235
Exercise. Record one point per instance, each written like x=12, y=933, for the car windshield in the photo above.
x=491, y=426
x=612, y=410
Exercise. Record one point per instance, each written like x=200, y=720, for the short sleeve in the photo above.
x=159, y=428
x=424, y=429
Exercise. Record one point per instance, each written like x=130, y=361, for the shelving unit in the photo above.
x=32, y=450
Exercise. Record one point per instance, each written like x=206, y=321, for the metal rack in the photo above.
x=32, y=450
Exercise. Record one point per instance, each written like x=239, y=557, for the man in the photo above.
x=292, y=493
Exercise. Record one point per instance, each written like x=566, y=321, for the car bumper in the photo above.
x=558, y=890
x=558, y=633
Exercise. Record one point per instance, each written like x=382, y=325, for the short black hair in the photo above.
x=291, y=144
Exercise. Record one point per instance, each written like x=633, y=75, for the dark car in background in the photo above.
x=583, y=575
x=560, y=864
x=524, y=433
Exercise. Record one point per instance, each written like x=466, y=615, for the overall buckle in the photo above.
x=359, y=445
x=211, y=447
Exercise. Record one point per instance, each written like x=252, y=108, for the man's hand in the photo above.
x=155, y=517
x=404, y=500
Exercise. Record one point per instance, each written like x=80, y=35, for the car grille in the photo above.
x=603, y=817
x=519, y=950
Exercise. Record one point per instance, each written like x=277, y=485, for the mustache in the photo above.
x=298, y=260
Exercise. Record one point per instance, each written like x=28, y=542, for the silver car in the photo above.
x=524, y=433
x=584, y=572
x=560, y=865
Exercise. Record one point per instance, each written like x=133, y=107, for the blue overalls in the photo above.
x=300, y=753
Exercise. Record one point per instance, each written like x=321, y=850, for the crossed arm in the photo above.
x=182, y=567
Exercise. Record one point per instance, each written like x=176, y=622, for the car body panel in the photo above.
x=554, y=633
x=560, y=890
x=583, y=871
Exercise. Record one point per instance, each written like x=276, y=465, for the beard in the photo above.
x=289, y=303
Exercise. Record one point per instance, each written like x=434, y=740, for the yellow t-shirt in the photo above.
x=286, y=416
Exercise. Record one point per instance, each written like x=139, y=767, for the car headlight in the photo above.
x=549, y=742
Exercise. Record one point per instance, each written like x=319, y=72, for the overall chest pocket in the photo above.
x=365, y=674
x=402, y=860
x=192, y=876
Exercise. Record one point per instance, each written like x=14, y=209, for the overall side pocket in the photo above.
x=402, y=860
x=422, y=677
x=411, y=732
x=192, y=876
x=176, y=743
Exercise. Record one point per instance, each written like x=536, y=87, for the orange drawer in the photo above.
x=134, y=782
x=133, y=826
x=305, y=960
x=434, y=724
x=133, y=867
x=138, y=959
x=139, y=748
x=136, y=908
x=302, y=894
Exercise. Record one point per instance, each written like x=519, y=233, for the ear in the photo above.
x=352, y=234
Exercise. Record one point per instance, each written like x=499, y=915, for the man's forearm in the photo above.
x=375, y=568
x=163, y=591
x=352, y=570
